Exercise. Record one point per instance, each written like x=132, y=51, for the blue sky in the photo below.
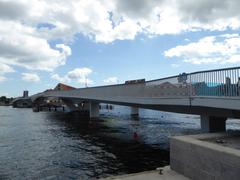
x=81, y=41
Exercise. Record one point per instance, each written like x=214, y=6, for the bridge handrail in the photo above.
x=215, y=70
x=170, y=77
x=196, y=72
x=165, y=78
x=217, y=82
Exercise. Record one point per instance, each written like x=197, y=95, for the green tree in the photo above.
x=3, y=98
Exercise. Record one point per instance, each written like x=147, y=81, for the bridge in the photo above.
x=212, y=94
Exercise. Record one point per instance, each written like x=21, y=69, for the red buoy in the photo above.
x=135, y=135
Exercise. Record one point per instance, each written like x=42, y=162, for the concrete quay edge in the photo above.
x=164, y=173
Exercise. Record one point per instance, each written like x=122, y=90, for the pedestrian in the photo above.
x=227, y=87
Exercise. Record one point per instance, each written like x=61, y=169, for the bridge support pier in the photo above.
x=70, y=104
x=84, y=106
x=213, y=123
x=134, y=111
x=94, y=110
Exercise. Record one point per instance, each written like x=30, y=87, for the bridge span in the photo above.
x=212, y=94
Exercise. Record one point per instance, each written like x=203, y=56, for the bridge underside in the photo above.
x=212, y=118
x=227, y=107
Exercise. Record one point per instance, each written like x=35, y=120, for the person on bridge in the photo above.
x=227, y=87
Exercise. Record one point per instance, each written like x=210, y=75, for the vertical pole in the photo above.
x=208, y=82
x=214, y=93
x=190, y=85
x=236, y=80
x=238, y=88
x=218, y=83
x=232, y=77
x=215, y=84
x=224, y=82
x=205, y=80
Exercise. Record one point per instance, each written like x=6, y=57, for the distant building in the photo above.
x=22, y=102
x=25, y=94
x=63, y=87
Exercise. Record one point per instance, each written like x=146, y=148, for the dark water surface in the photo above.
x=56, y=145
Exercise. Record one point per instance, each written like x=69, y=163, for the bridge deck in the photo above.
x=216, y=91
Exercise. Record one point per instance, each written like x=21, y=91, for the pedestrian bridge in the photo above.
x=212, y=94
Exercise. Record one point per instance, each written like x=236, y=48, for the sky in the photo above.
x=102, y=42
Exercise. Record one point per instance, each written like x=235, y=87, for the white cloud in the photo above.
x=111, y=80
x=2, y=78
x=5, y=69
x=21, y=45
x=79, y=75
x=107, y=21
x=176, y=16
x=58, y=78
x=212, y=49
x=29, y=28
x=30, y=77
x=12, y=9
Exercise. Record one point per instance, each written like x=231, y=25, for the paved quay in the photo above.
x=160, y=174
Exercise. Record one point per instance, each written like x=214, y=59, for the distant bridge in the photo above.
x=213, y=94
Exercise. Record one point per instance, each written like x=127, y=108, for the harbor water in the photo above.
x=58, y=145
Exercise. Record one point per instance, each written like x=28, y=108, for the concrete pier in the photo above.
x=134, y=111
x=213, y=124
x=206, y=156
x=94, y=110
x=70, y=104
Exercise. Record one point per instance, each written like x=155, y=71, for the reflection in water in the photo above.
x=114, y=147
x=66, y=146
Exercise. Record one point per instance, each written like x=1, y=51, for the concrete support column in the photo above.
x=213, y=124
x=84, y=106
x=134, y=111
x=94, y=110
x=70, y=104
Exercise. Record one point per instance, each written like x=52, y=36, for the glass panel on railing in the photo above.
x=173, y=86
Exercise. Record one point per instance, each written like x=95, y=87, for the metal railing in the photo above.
x=222, y=82
x=219, y=82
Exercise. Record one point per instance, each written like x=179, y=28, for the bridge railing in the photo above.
x=219, y=82
x=172, y=86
